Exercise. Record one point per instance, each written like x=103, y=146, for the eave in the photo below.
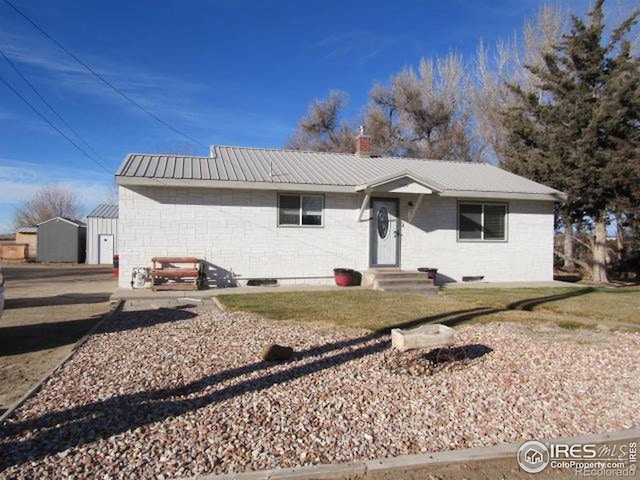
x=307, y=187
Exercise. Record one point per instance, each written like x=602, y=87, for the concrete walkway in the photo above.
x=147, y=294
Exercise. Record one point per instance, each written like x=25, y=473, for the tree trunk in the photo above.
x=569, y=254
x=619, y=237
x=599, y=267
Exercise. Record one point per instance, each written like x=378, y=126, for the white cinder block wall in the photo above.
x=527, y=255
x=236, y=233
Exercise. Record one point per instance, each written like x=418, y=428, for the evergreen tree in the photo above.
x=579, y=131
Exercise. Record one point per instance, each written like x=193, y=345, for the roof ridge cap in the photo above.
x=166, y=155
x=275, y=149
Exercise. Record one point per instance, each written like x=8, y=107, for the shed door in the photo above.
x=385, y=232
x=105, y=248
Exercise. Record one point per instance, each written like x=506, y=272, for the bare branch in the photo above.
x=48, y=202
x=321, y=129
x=424, y=113
x=577, y=239
x=582, y=263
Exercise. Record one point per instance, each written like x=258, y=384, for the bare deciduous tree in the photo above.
x=322, y=129
x=425, y=113
x=48, y=202
x=491, y=96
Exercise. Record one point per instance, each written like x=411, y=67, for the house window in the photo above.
x=482, y=221
x=300, y=210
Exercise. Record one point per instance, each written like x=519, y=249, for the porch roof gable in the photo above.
x=401, y=182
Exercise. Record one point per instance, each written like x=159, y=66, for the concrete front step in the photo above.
x=426, y=289
x=398, y=281
x=408, y=279
x=414, y=276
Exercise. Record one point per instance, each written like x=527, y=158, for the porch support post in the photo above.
x=415, y=208
x=365, y=204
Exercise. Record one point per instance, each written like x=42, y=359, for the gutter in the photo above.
x=308, y=187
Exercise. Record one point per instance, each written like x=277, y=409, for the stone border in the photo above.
x=387, y=467
x=114, y=309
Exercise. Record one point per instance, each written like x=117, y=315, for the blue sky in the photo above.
x=226, y=72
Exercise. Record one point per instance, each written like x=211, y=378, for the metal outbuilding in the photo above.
x=102, y=234
x=29, y=237
x=61, y=240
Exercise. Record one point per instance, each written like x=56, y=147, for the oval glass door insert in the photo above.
x=383, y=222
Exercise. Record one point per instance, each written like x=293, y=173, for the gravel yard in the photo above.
x=180, y=392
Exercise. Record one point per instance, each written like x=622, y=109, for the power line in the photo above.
x=157, y=180
x=37, y=112
x=41, y=97
x=101, y=78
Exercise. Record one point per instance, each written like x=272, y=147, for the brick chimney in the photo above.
x=363, y=144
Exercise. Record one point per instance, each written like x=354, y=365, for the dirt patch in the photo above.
x=47, y=309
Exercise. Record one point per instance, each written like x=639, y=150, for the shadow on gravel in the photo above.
x=439, y=356
x=58, y=431
x=55, y=432
x=131, y=320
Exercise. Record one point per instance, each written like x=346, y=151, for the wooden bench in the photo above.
x=166, y=276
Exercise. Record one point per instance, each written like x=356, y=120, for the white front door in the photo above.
x=385, y=232
x=105, y=248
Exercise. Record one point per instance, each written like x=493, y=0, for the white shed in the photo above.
x=102, y=234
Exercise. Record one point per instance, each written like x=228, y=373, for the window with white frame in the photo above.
x=482, y=221
x=300, y=210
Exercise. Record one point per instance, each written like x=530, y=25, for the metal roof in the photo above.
x=261, y=168
x=27, y=230
x=77, y=223
x=105, y=210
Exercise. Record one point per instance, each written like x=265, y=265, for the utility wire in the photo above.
x=37, y=112
x=101, y=78
x=100, y=158
x=160, y=182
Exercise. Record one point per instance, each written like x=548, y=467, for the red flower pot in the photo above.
x=345, y=277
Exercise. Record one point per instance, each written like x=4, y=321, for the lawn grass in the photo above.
x=367, y=309
x=569, y=308
x=597, y=304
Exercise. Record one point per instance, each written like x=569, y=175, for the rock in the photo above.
x=274, y=353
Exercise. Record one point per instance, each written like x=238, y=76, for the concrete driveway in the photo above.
x=47, y=309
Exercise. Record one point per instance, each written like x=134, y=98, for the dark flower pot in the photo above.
x=432, y=273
